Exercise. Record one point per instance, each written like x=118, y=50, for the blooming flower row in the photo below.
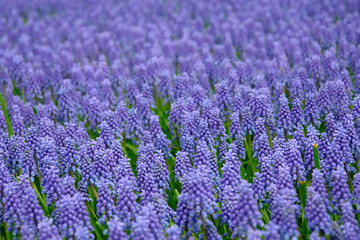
x=180, y=119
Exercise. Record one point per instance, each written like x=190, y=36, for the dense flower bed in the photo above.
x=179, y=119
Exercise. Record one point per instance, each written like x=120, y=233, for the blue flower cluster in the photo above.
x=173, y=120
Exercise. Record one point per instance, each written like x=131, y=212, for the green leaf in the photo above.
x=316, y=156
x=42, y=199
x=131, y=152
x=265, y=215
x=6, y=115
x=98, y=231
x=303, y=193
x=304, y=229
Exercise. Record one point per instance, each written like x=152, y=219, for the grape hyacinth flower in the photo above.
x=340, y=192
x=105, y=204
x=318, y=185
x=315, y=212
x=235, y=126
x=267, y=172
x=294, y=160
x=182, y=165
x=284, y=185
x=71, y=215
x=163, y=211
x=31, y=212
x=173, y=232
x=12, y=206
x=230, y=176
x=5, y=178
x=264, y=149
x=204, y=157
x=69, y=156
x=350, y=227
x=147, y=224
x=68, y=186
x=28, y=165
x=258, y=188
x=48, y=231
x=179, y=120
x=51, y=184
x=311, y=140
x=160, y=172
x=284, y=120
x=311, y=114
x=272, y=231
x=14, y=154
x=245, y=213
x=247, y=120
x=117, y=230
x=126, y=206
x=356, y=191
x=283, y=214
x=196, y=200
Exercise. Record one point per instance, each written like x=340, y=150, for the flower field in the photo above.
x=170, y=119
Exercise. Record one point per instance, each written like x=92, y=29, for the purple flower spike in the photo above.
x=245, y=213
x=147, y=225
x=315, y=211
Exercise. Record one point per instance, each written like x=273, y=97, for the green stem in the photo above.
x=249, y=153
x=7, y=237
x=357, y=216
x=98, y=229
x=269, y=135
x=53, y=97
x=186, y=231
x=123, y=144
x=203, y=229
x=357, y=165
x=37, y=192
x=303, y=193
x=227, y=122
x=6, y=115
x=94, y=191
x=23, y=94
x=351, y=186
x=91, y=210
x=40, y=196
x=177, y=138
x=4, y=92
x=265, y=215
x=316, y=156
x=304, y=227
